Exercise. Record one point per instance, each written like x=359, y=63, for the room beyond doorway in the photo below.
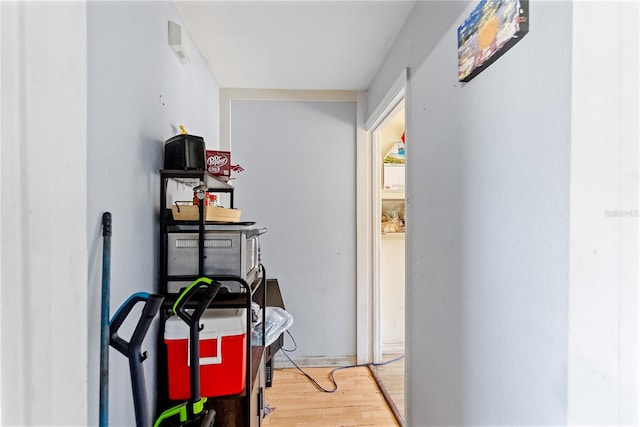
x=388, y=241
x=389, y=137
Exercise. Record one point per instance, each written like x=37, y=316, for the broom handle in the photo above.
x=104, y=320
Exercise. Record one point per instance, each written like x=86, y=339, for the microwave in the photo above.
x=228, y=250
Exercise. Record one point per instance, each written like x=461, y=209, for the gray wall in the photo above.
x=138, y=95
x=43, y=169
x=488, y=218
x=299, y=183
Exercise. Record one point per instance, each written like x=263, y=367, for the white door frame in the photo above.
x=368, y=346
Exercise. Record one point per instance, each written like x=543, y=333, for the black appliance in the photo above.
x=184, y=152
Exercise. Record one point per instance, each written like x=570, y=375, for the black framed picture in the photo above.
x=492, y=28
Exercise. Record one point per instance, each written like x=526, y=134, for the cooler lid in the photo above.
x=216, y=322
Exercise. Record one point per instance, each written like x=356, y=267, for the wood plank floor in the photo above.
x=295, y=402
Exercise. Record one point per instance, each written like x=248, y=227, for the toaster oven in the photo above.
x=229, y=249
x=184, y=152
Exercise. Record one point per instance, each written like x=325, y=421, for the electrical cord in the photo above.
x=295, y=344
x=331, y=374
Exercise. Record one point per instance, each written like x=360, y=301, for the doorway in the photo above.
x=370, y=173
x=388, y=185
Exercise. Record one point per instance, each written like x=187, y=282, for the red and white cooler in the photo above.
x=223, y=349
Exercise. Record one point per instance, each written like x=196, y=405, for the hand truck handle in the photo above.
x=180, y=306
x=151, y=308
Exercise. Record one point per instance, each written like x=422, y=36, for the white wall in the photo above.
x=604, y=309
x=43, y=250
x=525, y=334
x=139, y=94
x=299, y=183
x=488, y=221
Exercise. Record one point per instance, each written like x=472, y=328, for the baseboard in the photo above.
x=393, y=348
x=280, y=361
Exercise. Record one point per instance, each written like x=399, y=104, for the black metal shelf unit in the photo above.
x=192, y=178
x=255, y=291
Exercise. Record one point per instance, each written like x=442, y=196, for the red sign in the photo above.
x=219, y=163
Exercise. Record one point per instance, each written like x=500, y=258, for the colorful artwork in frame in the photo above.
x=489, y=31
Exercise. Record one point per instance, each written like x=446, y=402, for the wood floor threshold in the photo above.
x=387, y=396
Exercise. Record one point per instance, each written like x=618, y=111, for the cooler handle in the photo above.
x=209, y=360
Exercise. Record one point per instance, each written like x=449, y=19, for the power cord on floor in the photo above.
x=331, y=374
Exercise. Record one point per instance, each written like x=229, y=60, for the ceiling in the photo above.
x=316, y=45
